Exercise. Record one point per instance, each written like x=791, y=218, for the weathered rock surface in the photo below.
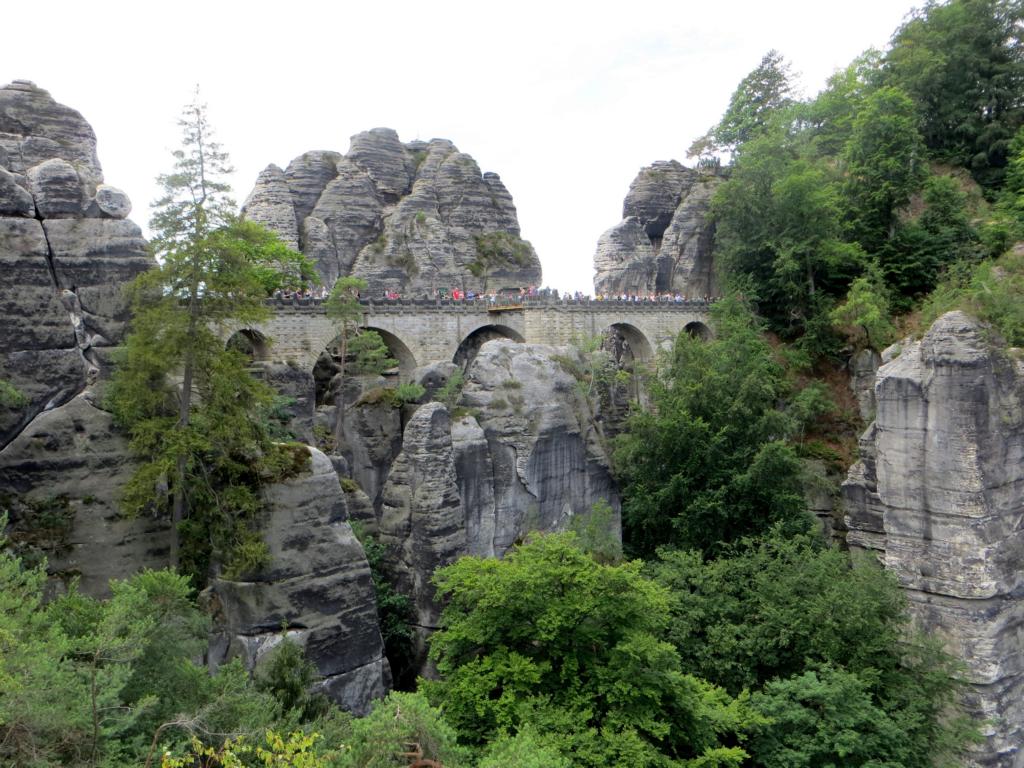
x=56, y=188
x=71, y=458
x=270, y=204
x=940, y=495
x=34, y=129
x=15, y=199
x=60, y=295
x=544, y=460
x=405, y=217
x=317, y=584
x=862, y=366
x=663, y=243
x=422, y=521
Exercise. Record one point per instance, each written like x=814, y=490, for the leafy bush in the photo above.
x=992, y=291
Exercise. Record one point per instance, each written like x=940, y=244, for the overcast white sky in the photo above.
x=566, y=101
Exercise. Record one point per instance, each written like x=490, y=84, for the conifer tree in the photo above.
x=193, y=411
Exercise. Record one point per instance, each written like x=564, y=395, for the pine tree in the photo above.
x=193, y=411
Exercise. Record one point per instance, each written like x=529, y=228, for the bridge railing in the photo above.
x=500, y=302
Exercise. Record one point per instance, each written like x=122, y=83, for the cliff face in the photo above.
x=524, y=456
x=412, y=218
x=66, y=248
x=939, y=494
x=663, y=243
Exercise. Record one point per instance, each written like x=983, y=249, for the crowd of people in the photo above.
x=507, y=295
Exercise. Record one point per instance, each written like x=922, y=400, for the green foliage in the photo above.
x=992, y=291
x=297, y=750
x=450, y=393
x=779, y=233
x=11, y=396
x=395, y=616
x=395, y=728
x=275, y=265
x=864, y=316
x=597, y=533
x=885, y=165
x=203, y=443
x=548, y=636
x=409, y=392
x=766, y=612
x=499, y=249
x=759, y=97
x=943, y=235
x=708, y=464
x=370, y=354
x=961, y=62
x=527, y=749
x=287, y=675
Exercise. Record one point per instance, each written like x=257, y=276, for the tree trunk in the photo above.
x=184, y=417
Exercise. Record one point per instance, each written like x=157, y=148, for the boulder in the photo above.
x=56, y=189
x=34, y=128
x=112, y=202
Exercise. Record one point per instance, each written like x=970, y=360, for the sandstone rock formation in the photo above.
x=524, y=455
x=422, y=521
x=317, y=585
x=663, y=243
x=545, y=460
x=412, y=218
x=66, y=249
x=939, y=495
x=64, y=475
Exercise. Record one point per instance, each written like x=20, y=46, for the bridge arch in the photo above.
x=328, y=362
x=698, y=330
x=250, y=343
x=470, y=346
x=629, y=344
x=398, y=350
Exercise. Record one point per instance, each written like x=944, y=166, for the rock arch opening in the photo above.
x=470, y=346
x=253, y=344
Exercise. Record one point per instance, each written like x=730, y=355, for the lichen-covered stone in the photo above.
x=940, y=495
x=112, y=202
x=422, y=519
x=15, y=199
x=548, y=461
x=95, y=258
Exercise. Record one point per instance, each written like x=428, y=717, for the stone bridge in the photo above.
x=423, y=331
